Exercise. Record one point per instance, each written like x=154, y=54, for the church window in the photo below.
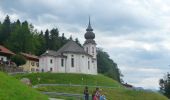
x=42, y=70
x=62, y=62
x=51, y=61
x=88, y=64
x=72, y=62
x=51, y=69
x=92, y=61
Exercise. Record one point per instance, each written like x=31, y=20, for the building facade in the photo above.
x=72, y=58
x=32, y=63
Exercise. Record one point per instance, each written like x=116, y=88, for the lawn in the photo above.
x=13, y=89
x=111, y=88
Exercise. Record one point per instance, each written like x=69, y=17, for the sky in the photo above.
x=135, y=33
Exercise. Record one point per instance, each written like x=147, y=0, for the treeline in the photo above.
x=22, y=37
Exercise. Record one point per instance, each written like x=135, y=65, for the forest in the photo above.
x=22, y=37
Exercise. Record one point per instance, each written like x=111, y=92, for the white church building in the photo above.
x=72, y=58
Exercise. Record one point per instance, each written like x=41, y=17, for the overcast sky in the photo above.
x=135, y=33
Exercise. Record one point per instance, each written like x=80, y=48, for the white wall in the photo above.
x=3, y=57
x=80, y=64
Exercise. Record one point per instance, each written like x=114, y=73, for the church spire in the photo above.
x=89, y=28
x=89, y=35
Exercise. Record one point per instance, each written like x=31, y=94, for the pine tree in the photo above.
x=54, y=39
x=5, y=30
x=47, y=39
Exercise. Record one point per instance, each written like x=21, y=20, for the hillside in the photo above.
x=12, y=89
x=112, y=89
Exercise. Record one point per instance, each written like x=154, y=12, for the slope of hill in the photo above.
x=12, y=89
x=112, y=89
x=65, y=78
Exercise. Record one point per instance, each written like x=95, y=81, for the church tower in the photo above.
x=90, y=44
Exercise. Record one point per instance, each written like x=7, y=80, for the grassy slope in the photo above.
x=12, y=89
x=116, y=93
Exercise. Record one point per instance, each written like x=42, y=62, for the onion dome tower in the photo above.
x=90, y=44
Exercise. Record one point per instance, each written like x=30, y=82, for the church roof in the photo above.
x=69, y=47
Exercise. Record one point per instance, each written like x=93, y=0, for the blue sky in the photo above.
x=135, y=33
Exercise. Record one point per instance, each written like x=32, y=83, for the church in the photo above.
x=72, y=58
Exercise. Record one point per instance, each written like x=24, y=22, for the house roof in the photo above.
x=5, y=50
x=30, y=56
x=69, y=47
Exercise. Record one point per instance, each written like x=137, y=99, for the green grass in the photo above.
x=111, y=93
x=12, y=89
x=118, y=92
x=65, y=78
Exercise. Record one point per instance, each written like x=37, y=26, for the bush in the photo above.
x=18, y=59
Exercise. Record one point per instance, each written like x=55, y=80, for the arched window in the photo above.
x=87, y=49
x=88, y=64
x=92, y=49
x=51, y=69
x=62, y=62
x=72, y=62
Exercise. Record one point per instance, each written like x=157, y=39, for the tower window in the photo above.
x=62, y=62
x=92, y=49
x=87, y=49
x=72, y=62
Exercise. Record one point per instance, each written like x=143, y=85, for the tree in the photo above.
x=47, y=39
x=5, y=30
x=54, y=39
x=107, y=66
x=18, y=59
x=78, y=42
x=165, y=85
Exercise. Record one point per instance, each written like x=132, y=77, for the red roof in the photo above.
x=30, y=56
x=5, y=50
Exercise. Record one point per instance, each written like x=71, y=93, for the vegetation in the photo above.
x=165, y=85
x=112, y=89
x=107, y=66
x=80, y=79
x=18, y=59
x=12, y=89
